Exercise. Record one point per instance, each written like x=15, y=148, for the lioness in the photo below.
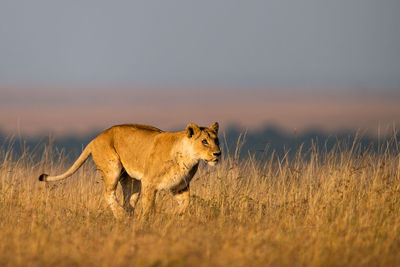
x=145, y=159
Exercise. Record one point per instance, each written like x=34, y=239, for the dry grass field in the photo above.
x=315, y=208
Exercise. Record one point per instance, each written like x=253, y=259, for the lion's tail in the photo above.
x=78, y=163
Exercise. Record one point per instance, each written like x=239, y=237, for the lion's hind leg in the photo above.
x=131, y=190
x=110, y=167
x=111, y=183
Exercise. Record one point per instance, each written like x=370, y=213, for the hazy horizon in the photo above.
x=75, y=111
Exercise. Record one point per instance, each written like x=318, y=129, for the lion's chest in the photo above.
x=178, y=178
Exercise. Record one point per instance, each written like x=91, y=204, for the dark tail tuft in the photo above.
x=43, y=177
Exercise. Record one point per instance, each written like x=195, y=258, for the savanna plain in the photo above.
x=310, y=207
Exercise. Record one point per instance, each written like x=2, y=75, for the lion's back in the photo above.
x=137, y=127
x=133, y=142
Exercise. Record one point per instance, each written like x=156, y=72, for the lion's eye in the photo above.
x=205, y=142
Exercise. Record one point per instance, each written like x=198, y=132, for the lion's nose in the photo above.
x=217, y=154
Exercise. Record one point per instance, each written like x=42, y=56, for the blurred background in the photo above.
x=280, y=70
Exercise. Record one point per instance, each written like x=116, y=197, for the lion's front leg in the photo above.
x=148, y=197
x=182, y=197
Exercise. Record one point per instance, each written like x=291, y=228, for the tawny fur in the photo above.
x=146, y=160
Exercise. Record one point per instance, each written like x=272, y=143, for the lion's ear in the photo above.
x=215, y=127
x=192, y=130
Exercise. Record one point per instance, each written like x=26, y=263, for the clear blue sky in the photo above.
x=200, y=43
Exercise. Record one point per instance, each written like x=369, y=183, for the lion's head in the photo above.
x=204, y=142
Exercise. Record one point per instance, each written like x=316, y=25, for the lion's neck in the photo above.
x=186, y=156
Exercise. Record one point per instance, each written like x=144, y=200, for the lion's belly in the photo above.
x=135, y=174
